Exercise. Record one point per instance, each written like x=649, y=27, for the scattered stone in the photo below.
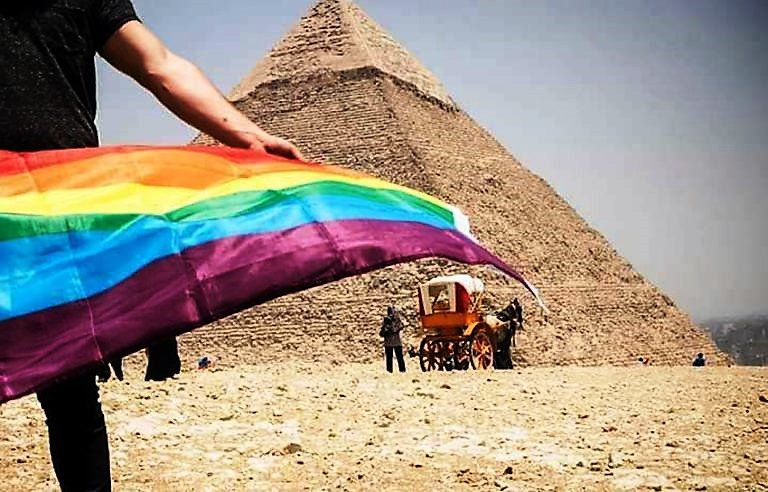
x=291, y=448
x=609, y=428
x=763, y=399
x=445, y=386
x=500, y=484
x=507, y=471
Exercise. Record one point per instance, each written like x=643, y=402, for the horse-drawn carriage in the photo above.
x=457, y=333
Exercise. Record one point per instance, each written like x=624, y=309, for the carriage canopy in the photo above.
x=448, y=294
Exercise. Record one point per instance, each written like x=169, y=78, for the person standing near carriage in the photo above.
x=390, y=331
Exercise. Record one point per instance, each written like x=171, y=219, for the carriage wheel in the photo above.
x=481, y=349
x=445, y=356
x=434, y=354
x=461, y=355
x=429, y=355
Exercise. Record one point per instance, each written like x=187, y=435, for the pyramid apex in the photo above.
x=335, y=36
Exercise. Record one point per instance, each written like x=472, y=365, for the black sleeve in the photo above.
x=109, y=16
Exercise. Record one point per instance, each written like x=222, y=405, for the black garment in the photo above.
x=699, y=362
x=105, y=371
x=503, y=356
x=117, y=367
x=48, y=101
x=77, y=435
x=400, y=361
x=163, y=360
x=391, y=327
x=47, y=71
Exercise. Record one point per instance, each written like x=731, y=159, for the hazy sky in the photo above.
x=650, y=117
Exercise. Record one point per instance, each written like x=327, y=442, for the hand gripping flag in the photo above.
x=103, y=251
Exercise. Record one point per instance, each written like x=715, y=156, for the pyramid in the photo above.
x=341, y=88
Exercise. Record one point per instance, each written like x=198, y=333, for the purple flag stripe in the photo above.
x=178, y=293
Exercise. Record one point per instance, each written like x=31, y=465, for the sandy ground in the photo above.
x=354, y=427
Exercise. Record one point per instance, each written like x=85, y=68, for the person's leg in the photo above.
x=173, y=355
x=163, y=360
x=499, y=359
x=104, y=373
x=388, y=351
x=77, y=434
x=117, y=367
x=400, y=360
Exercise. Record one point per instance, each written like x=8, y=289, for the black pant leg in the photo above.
x=163, y=360
x=117, y=367
x=400, y=359
x=77, y=434
x=388, y=351
x=104, y=373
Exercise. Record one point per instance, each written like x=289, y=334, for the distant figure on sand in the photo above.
x=390, y=331
x=699, y=361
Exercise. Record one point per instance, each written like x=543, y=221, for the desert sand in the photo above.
x=296, y=426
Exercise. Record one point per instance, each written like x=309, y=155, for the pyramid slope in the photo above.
x=602, y=311
x=334, y=36
x=371, y=119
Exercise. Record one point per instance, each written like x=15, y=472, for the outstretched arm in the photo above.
x=186, y=91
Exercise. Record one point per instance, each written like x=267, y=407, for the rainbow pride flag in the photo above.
x=103, y=251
